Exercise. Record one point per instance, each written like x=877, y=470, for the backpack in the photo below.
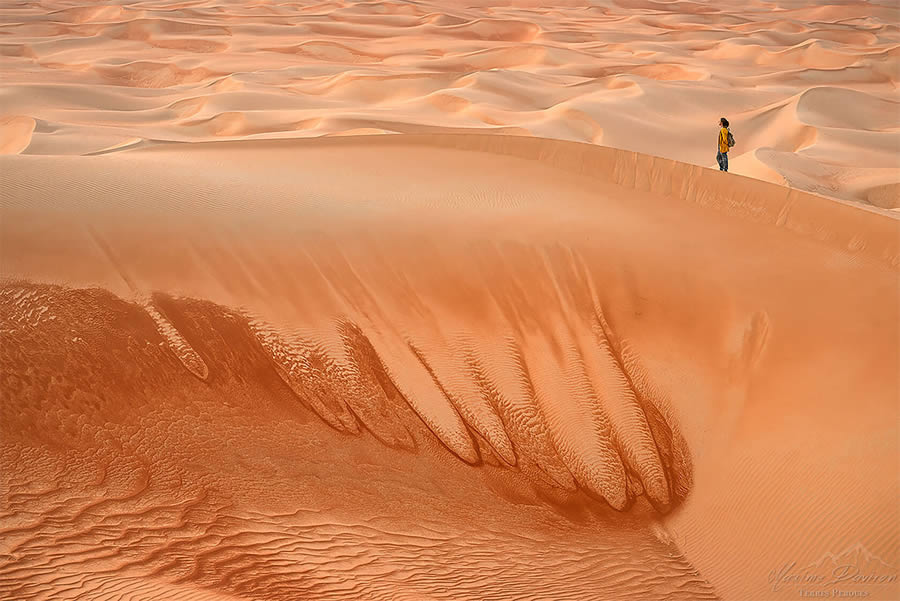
x=730, y=139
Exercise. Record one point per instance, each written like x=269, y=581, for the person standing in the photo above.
x=724, y=140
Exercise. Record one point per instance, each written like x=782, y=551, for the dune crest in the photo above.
x=651, y=77
x=270, y=357
x=448, y=301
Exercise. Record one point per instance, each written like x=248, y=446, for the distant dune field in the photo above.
x=810, y=88
x=406, y=301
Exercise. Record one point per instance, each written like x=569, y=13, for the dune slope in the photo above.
x=336, y=369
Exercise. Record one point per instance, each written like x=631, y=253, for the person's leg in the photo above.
x=724, y=161
x=719, y=160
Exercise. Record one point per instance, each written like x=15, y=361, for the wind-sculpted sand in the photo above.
x=810, y=88
x=336, y=369
x=528, y=346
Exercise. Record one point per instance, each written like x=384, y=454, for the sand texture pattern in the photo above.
x=414, y=301
x=331, y=369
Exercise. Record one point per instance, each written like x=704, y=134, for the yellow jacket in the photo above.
x=723, y=140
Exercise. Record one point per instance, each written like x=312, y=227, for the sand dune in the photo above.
x=433, y=300
x=274, y=380
x=15, y=134
x=651, y=76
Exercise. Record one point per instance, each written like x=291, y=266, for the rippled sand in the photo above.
x=469, y=362
x=336, y=369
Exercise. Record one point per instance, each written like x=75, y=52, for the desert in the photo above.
x=433, y=300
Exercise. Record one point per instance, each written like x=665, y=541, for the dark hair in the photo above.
x=724, y=121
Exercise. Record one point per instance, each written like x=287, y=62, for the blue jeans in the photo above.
x=722, y=158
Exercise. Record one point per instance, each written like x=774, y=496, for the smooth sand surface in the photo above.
x=810, y=87
x=489, y=358
x=332, y=369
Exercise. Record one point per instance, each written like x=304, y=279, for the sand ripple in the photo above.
x=336, y=368
x=133, y=522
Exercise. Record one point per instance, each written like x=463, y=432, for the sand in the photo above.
x=810, y=88
x=482, y=359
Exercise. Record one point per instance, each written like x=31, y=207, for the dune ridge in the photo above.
x=651, y=77
x=439, y=300
x=334, y=367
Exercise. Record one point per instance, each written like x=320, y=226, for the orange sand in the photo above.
x=810, y=88
x=266, y=355
x=446, y=365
